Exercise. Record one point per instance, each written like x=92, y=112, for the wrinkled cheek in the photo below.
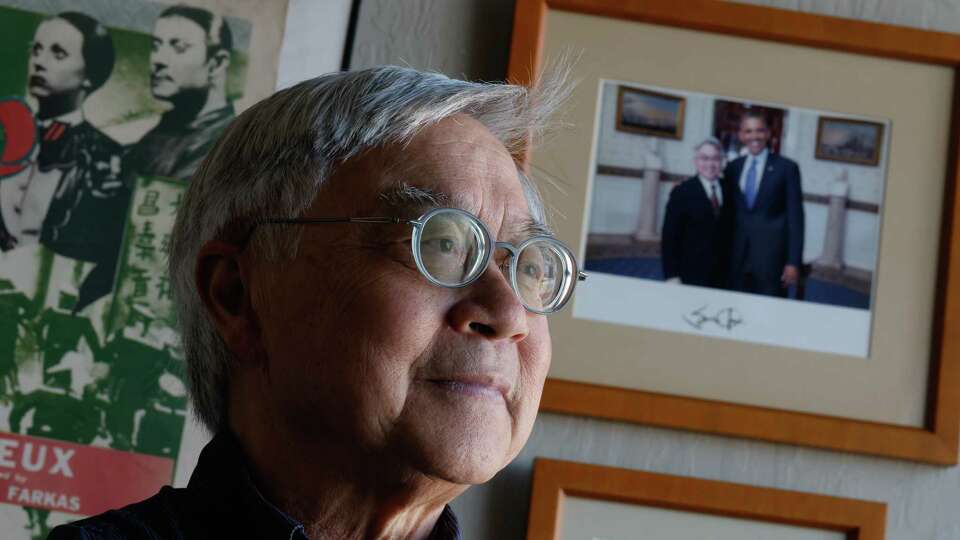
x=534, y=366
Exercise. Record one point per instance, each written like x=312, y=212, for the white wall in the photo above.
x=923, y=501
x=313, y=40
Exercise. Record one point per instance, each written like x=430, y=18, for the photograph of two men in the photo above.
x=771, y=203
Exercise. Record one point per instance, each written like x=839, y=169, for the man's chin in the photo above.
x=461, y=454
x=467, y=467
x=163, y=93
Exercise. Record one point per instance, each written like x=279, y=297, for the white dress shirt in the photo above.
x=708, y=188
x=25, y=197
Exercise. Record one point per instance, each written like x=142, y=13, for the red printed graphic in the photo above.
x=18, y=135
x=75, y=478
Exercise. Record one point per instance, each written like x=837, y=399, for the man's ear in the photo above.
x=224, y=286
x=219, y=62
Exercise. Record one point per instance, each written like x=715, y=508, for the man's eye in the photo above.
x=531, y=270
x=441, y=245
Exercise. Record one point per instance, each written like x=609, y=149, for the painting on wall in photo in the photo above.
x=650, y=113
x=740, y=228
x=849, y=141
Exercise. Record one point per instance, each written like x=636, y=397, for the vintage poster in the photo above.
x=107, y=107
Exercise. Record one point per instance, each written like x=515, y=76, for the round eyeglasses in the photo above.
x=452, y=248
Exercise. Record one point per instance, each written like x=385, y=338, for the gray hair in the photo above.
x=273, y=158
x=710, y=141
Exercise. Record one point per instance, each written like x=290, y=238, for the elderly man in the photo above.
x=362, y=274
x=695, y=244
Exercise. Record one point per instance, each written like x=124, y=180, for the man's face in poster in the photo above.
x=56, y=60
x=178, y=58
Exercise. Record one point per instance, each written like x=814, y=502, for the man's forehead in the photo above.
x=457, y=155
x=456, y=147
x=755, y=122
x=58, y=30
x=180, y=26
x=455, y=163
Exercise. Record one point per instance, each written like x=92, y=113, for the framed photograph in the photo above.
x=650, y=113
x=849, y=141
x=829, y=325
x=576, y=500
x=650, y=213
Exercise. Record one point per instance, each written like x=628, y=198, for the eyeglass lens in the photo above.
x=453, y=251
x=452, y=248
x=539, y=274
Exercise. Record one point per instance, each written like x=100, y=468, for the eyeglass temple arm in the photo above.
x=308, y=221
x=315, y=221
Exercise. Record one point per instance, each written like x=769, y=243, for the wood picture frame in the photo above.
x=555, y=481
x=671, y=129
x=857, y=156
x=938, y=439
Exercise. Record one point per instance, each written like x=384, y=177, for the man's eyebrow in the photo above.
x=405, y=198
x=532, y=227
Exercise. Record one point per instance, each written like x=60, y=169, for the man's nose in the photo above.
x=158, y=59
x=491, y=309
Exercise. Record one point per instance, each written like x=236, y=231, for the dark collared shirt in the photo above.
x=220, y=501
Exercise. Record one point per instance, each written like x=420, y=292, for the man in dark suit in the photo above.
x=768, y=233
x=697, y=227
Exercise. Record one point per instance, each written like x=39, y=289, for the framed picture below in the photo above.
x=833, y=323
x=849, y=141
x=574, y=501
x=650, y=113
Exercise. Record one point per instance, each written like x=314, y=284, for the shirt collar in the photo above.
x=760, y=158
x=223, y=474
x=71, y=119
x=447, y=527
x=708, y=183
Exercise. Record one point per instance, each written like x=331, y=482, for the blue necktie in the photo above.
x=750, y=186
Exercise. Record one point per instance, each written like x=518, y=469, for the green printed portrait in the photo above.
x=110, y=107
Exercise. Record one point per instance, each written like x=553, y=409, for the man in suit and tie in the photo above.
x=768, y=233
x=698, y=223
